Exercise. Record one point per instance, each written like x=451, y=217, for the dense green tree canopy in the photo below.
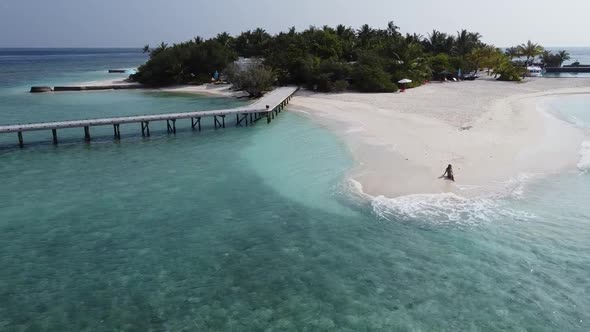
x=331, y=59
x=192, y=61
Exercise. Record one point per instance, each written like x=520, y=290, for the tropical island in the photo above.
x=337, y=59
x=484, y=127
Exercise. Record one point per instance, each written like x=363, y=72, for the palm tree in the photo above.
x=198, y=40
x=484, y=56
x=546, y=58
x=530, y=50
x=146, y=48
x=162, y=47
x=224, y=39
x=466, y=41
x=414, y=38
x=365, y=33
x=563, y=57
x=392, y=29
x=439, y=42
x=512, y=52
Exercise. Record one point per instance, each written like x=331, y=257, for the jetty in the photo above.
x=569, y=69
x=266, y=107
x=120, y=86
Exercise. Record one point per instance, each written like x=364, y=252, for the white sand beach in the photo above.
x=492, y=132
x=211, y=90
x=118, y=81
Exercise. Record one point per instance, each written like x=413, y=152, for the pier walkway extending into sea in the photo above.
x=267, y=107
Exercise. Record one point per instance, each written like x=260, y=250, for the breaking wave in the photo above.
x=584, y=162
x=448, y=208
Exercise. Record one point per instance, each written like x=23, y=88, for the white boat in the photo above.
x=534, y=71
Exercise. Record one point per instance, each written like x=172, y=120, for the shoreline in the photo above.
x=210, y=90
x=401, y=143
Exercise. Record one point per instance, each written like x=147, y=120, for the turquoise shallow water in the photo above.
x=253, y=229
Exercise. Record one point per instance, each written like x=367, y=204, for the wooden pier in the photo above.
x=267, y=108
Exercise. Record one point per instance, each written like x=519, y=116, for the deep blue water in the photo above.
x=21, y=68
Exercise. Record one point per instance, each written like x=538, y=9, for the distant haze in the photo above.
x=133, y=23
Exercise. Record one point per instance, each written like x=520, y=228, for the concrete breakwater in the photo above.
x=579, y=69
x=40, y=89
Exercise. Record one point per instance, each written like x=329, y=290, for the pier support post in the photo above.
x=145, y=128
x=251, y=122
x=54, y=134
x=87, y=134
x=241, y=118
x=117, y=131
x=171, y=128
x=218, y=123
x=268, y=111
x=196, y=123
x=20, y=139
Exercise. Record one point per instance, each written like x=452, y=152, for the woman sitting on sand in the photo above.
x=449, y=173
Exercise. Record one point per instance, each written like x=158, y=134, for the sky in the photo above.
x=134, y=23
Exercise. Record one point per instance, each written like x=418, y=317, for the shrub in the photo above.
x=255, y=79
x=340, y=86
x=372, y=79
x=329, y=73
x=440, y=63
x=509, y=72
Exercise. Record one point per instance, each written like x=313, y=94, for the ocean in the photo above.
x=258, y=229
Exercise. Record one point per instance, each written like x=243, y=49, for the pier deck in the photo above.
x=268, y=106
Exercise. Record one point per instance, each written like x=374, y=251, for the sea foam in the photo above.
x=448, y=208
x=584, y=162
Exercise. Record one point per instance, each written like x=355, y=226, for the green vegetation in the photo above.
x=254, y=79
x=554, y=60
x=331, y=59
x=190, y=62
x=529, y=50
